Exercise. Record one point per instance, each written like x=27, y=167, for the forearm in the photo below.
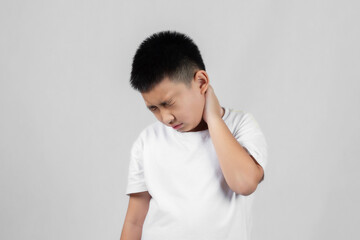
x=131, y=231
x=237, y=166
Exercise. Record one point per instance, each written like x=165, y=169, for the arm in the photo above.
x=131, y=232
x=241, y=172
x=135, y=216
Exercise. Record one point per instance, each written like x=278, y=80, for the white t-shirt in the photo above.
x=190, y=197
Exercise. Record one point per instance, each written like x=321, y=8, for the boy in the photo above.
x=192, y=172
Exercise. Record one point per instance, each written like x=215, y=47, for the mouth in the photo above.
x=177, y=126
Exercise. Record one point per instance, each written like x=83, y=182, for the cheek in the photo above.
x=194, y=110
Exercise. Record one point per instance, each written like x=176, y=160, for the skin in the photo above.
x=197, y=108
x=187, y=105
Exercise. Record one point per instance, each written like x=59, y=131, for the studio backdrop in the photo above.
x=68, y=115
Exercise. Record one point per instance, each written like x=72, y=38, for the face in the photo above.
x=174, y=103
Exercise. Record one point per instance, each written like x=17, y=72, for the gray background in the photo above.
x=69, y=116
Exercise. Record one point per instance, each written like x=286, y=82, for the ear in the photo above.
x=202, y=80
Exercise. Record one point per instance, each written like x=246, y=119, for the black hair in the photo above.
x=165, y=54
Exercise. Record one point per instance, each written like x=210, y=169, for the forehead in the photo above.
x=163, y=91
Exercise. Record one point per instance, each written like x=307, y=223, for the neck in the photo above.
x=203, y=125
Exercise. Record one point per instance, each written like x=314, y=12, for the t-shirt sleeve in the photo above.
x=136, y=181
x=248, y=133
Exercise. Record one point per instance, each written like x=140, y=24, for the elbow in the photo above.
x=247, y=184
x=248, y=192
x=244, y=188
x=245, y=192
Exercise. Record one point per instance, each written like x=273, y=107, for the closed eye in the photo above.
x=167, y=104
x=153, y=108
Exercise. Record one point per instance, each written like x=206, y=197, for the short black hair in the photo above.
x=165, y=54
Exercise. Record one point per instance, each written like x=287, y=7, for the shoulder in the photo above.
x=234, y=116
x=238, y=115
x=240, y=120
x=153, y=129
x=150, y=132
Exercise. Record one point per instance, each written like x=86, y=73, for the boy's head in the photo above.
x=165, y=54
x=169, y=72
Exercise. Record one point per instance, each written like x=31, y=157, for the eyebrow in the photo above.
x=162, y=103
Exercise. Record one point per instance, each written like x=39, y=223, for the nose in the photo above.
x=167, y=117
